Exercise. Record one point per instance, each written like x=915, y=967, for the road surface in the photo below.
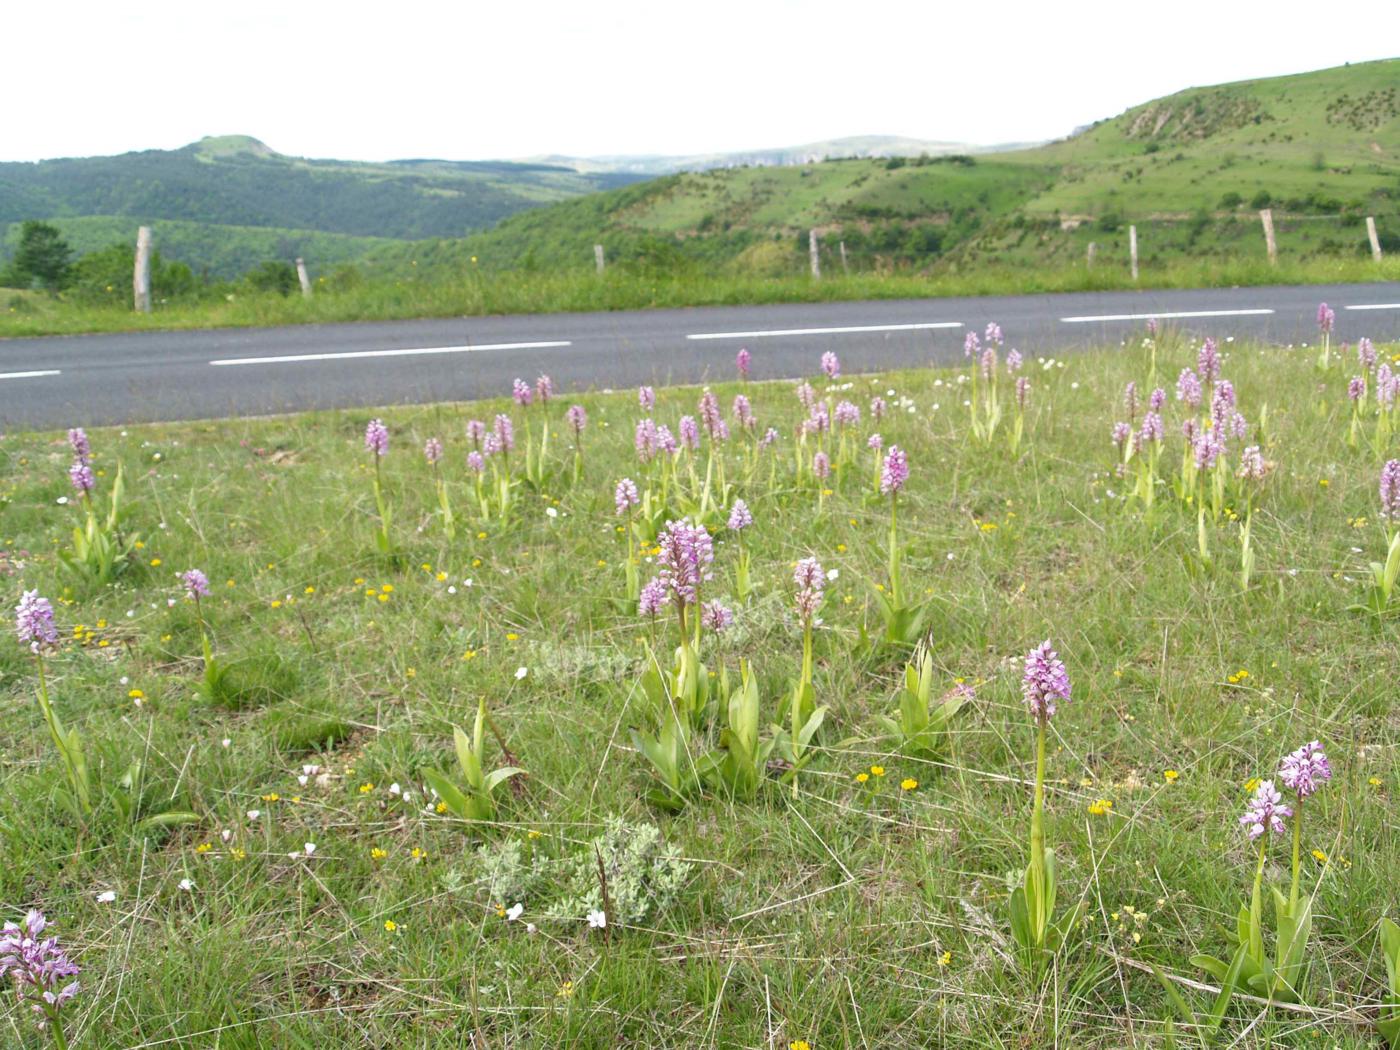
x=91, y=380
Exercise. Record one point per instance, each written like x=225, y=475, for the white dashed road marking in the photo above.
x=410, y=352
x=827, y=331
x=31, y=375
x=1165, y=316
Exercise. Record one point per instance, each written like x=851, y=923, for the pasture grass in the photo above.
x=849, y=914
x=474, y=294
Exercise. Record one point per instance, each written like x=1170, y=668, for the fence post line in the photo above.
x=1132, y=250
x=844, y=268
x=141, y=278
x=598, y=260
x=1375, y=239
x=814, y=254
x=1266, y=216
x=1089, y=255
x=303, y=279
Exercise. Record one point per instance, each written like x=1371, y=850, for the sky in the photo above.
x=474, y=80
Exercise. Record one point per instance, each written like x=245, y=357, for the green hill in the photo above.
x=232, y=184
x=1315, y=139
x=1190, y=170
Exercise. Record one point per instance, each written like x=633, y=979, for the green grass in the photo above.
x=822, y=917
x=481, y=294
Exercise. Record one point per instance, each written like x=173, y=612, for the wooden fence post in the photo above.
x=814, y=254
x=304, y=280
x=1089, y=255
x=141, y=279
x=1266, y=216
x=598, y=260
x=1132, y=250
x=844, y=268
x=1375, y=239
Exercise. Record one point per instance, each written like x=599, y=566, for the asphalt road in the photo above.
x=145, y=376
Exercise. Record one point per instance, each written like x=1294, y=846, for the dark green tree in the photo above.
x=104, y=276
x=272, y=276
x=42, y=258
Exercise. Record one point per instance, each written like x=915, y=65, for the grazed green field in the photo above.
x=1331, y=133
x=858, y=908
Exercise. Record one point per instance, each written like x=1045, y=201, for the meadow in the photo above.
x=709, y=718
x=443, y=292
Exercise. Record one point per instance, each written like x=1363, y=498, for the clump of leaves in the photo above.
x=476, y=798
x=645, y=876
x=506, y=871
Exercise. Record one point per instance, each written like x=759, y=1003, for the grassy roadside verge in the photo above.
x=25, y=314
x=336, y=912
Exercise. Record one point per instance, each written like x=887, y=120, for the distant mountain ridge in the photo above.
x=227, y=202
x=875, y=146
x=238, y=180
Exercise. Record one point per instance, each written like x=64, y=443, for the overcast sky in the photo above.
x=467, y=79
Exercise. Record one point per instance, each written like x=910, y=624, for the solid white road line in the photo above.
x=31, y=375
x=827, y=331
x=1374, y=306
x=353, y=354
x=1164, y=316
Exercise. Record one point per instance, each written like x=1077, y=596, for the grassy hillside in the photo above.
x=1322, y=149
x=1189, y=171
x=235, y=181
x=1313, y=141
